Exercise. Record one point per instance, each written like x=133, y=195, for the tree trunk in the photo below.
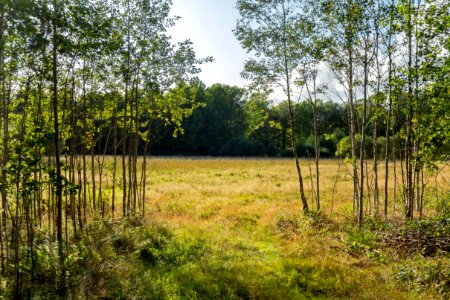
x=114, y=179
x=4, y=117
x=58, y=179
x=388, y=121
x=292, y=118
x=317, y=150
x=409, y=130
x=363, y=138
x=349, y=48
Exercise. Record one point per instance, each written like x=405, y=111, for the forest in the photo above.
x=122, y=175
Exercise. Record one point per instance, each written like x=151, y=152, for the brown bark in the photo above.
x=58, y=179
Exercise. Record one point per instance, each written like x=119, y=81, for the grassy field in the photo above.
x=233, y=229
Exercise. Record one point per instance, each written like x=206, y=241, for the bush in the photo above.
x=344, y=146
x=361, y=242
x=242, y=147
x=305, y=150
x=421, y=274
x=427, y=237
x=285, y=153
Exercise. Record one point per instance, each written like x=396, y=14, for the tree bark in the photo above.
x=409, y=201
x=4, y=119
x=292, y=117
x=58, y=179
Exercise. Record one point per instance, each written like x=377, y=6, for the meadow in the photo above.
x=82, y=79
x=234, y=229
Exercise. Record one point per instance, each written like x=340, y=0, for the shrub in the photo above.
x=242, y=147
x=420, y=274
x=359, y=242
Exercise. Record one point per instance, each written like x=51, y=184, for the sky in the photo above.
x=209, y=24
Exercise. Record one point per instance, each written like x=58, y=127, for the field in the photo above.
x=233, y=228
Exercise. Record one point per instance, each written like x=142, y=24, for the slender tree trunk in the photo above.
x=421, y=194
x=363, y=138
x=349, y=48
x=144, y=167
x=368, y=184
x=409, y=117
x=297, y=163
x=40, y=126
x=4, y=122
x=93, y=143
x=114, y=179
x=130, y=154
x=292, y=118
x=313, y=101
x=376, y=108
x=317, y=157
x=136, y=142
x=375, y=168
x=101, y=163
x=19, y=196
x=72, y=155
x=356, y=185
x=394, y=162
x=124, y=150
x=66, y=208
x=17, y=273
x=419, y=109
x=94, y=184
x=388, y=122
x=84, y=145
x=79, y=205
x=58, y=180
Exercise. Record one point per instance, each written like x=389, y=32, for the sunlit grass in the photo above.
x=234, y=228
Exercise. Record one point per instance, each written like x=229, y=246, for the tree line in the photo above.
x=230, y=121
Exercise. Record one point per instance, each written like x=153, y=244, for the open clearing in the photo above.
x=233, y=228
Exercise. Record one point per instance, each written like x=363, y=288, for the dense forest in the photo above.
x=230, y=122
x=89, y=89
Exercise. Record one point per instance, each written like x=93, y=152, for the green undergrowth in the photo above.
x=416, y=252
x=153, y=262
x=300, y=257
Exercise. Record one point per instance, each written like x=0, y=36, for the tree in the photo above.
x=269, y=30
x=342, y=18
x=314, y=40
x=62, y=94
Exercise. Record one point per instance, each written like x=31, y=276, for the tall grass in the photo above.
x=233, y=229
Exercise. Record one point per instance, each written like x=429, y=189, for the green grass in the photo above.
x=233, y=229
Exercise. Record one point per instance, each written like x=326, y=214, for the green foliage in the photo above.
x=108, y=70
x=361, y=242
x=315, y=283
x=438, y=226
x=252, y=127
x=242, y=147
x=344, y=146
x=289, y=224
x=421, y=274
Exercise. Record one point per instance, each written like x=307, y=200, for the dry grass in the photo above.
x=246, y=217
x=192, y=188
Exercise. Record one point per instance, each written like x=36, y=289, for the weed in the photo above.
x=288, y=224
x=423, y=275
x=361, y=242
